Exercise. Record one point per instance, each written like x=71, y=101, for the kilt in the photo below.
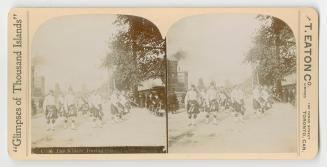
x=84, y=108
x=256, y=104
x=121, y=107
x=213, y=106
x=71, y=112
x=97, y=112
x=193, y=107
x=51, y=112
x=114, y=109
x=127, y=107
x=238, y=106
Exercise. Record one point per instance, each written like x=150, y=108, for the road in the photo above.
x=140, y=128
x=275, y=131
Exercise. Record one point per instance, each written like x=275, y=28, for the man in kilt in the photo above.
x=114, y=107
x=192, y=105
x=238, y=101
x=172, y=102
x=124, y=102
x=156, y=102
x=96, y=109
x=212, y=103
x=257, y=100
x=149, y=105
x=49, y=106
x=267, y=99
x=222, y=99
x=71, y=109
x=202, y=103
x=61, y=105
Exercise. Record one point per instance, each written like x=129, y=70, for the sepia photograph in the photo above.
x=231, y=85
x=163, y=83
x=98, y=86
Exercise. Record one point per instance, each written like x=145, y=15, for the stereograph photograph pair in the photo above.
x=163, y=83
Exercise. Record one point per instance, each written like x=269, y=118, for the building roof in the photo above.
x=289, y=79
x=148, y=84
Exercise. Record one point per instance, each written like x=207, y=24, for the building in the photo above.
x=177, y=82
x=289, y=81
x=38, y=91
x=289, y=88
x=182, y=81
x=151, y=87
x=172, y=75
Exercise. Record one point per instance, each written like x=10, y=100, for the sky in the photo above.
x=71, y=49
x=214, y=45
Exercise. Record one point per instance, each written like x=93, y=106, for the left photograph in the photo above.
x=98, y=86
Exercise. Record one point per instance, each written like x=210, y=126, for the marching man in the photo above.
x=61, y=105
x=49, y=106
x=156, y=104
x=202, y=100
x=191, y=105
x=124, y=101
x=256, y=100
x=265, y=96
x=212, y=102
x=238, y=101
x=222, y=99
x=115, y=112
x=71, y=108
x=83, y=105
x=96, y=109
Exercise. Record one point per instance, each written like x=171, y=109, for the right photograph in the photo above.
x=231, y=85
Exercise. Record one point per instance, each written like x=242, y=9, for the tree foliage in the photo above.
x=274, y=51
x=137, y=52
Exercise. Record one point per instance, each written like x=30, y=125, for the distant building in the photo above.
x=289, y=88
x=289, y=81
x=153, y=87
x=172, y=75
x=182, y=81
x=38, y=91
x=177, y=82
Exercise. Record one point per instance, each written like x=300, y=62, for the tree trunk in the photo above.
x=279, y=88
x=279, y=79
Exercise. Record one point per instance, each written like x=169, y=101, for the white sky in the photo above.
x=215, y=46
x=72, y=48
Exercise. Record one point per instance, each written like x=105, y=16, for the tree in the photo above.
x=137, y=52
x=273, y=52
